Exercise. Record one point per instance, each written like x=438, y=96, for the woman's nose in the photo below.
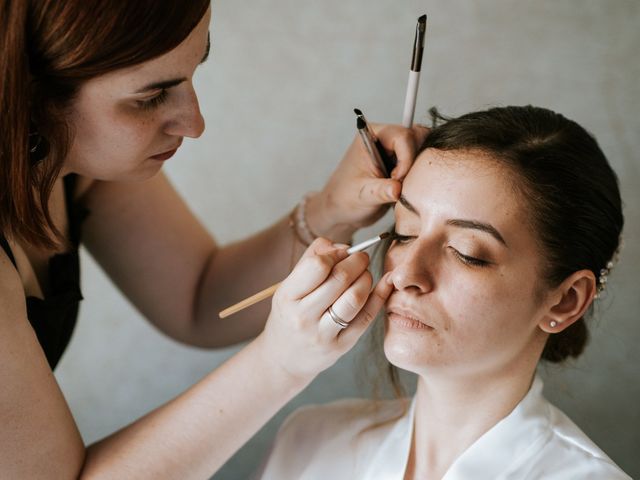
x=411, y=267
x=187, y=121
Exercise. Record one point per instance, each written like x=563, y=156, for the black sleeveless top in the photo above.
x=54, y=317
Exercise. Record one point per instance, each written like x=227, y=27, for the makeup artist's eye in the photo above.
x=470, y=261
x=153, y=102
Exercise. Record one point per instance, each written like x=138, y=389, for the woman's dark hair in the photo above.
x=49, y=48
x=567, y=182
x=569, y=186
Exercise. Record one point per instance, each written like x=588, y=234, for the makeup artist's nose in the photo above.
x=411, y=268
x=187, y=121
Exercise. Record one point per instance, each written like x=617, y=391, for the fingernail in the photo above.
x=341, y=245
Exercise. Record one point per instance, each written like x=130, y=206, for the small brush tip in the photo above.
x=423, y=19
x=385, y=235
x=360, y=123
x=357, y=111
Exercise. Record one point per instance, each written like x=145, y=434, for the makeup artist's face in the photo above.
x=126, y=124
x=465, y=272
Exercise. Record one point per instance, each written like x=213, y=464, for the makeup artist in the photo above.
x=96, y=96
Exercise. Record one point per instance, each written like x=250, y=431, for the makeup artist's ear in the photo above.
x=404, y=143
x=569, y=301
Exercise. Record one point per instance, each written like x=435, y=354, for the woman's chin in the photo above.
x=401, y=355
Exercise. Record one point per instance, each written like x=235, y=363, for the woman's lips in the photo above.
x=406, y=321
x=166, y=155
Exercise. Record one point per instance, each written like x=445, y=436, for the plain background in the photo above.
x=277, y=94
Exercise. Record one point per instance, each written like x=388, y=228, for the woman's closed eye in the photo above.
x=155, y=101
x=469, y=260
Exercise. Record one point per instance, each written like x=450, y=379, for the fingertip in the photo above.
x=324, y=246
x=395, y=189
x=386, y=284
x=363, y=255
x=320, y=244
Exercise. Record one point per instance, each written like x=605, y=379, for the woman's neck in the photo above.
x=452, y=413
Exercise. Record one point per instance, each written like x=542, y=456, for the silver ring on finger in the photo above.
x=336, y=318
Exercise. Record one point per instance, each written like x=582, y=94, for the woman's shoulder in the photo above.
x=344, y=413
x=570, y=453
x=326, y=441
x=12, y=295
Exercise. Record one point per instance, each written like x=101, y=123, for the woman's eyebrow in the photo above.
x=461, y=223
x=475, y=225
x=406, y=204
x=175, y=81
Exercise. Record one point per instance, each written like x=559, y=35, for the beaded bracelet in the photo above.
x=298, y=222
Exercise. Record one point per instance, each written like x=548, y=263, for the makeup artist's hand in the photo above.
x=358, y=194
x=300, y=335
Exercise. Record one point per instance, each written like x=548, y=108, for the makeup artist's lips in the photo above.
x=405, y=318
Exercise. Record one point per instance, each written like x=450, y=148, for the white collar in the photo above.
x=509, y=443
x=513, y=440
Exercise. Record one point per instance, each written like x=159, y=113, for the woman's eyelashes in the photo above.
x=467, y=260
x=155, y=101
x=401, y=238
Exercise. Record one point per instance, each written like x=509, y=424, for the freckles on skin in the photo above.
x=484, y=314
x=116, y=129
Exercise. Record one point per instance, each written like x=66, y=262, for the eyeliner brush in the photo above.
x=414, y=73
x=381, y=158
x=267, y=292
x=369, y=144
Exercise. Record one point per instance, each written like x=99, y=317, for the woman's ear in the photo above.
x=569, y=301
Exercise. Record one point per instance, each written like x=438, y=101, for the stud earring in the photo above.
x=553, y=324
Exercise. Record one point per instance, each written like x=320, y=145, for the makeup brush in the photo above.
x=414, y=73
x=376, y=151
x=267, y=292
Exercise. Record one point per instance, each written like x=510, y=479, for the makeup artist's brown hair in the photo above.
x=48, y=48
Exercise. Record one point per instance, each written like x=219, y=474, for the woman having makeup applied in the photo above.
x=507, y=228
x=96, y=96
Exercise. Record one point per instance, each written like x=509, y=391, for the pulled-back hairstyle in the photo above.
x=568, y=186
x=48, y=49
x=570, y=189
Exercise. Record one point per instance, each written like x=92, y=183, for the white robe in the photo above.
x=535, y=441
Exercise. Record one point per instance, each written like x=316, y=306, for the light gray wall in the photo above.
x=278, y=93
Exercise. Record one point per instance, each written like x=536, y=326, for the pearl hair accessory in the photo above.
x=604, y=272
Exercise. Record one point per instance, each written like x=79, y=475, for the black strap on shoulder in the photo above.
x=7, y=249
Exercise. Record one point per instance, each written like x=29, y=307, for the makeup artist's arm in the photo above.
x=168, y=265
x=191, y=436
